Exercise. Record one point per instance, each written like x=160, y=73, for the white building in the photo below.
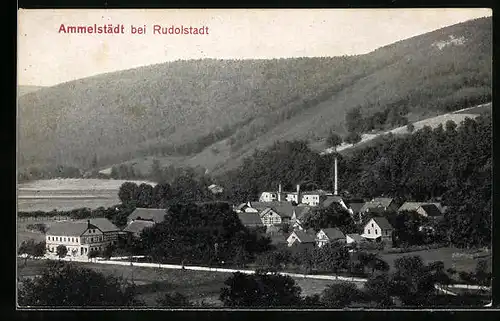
x=81, y=237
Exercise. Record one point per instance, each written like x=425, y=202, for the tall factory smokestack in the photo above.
x=279, y=193
x=298, y=193
x=336, y=183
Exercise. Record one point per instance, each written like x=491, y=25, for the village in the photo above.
x=279, y=213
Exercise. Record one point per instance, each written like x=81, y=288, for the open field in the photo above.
x=151, y=282
x=442, y=254
x=68, y=194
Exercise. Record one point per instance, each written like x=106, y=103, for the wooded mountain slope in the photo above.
x=215, y=112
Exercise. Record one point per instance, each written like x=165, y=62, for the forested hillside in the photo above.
x=213, y=113
x=449, y=164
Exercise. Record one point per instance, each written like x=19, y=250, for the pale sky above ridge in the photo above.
x=47, y=57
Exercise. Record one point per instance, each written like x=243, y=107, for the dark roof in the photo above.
x=136, y=227
x=409, y=206
x=331, y=200
x=383, y=223
x=250, y=218
x=356, y=237
x=68, y=228
x=151, y=214
x=103, y=224
x=305, y=237
x=333, y=233
x=263, y=205
x=431, y=210
x=284, y=209
x=356, y=207
x=301, y=211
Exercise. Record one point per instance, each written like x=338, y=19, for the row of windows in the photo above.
x=376, y=232
x=63, y=239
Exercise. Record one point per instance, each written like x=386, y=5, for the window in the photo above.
x=368, y=231
x=376, y=232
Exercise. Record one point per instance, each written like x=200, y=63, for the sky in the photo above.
x=47, y=57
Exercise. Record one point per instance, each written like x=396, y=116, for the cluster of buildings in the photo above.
x=82, y=236
x=277, y=208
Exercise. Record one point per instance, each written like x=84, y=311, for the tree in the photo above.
x=176, y=300
x=340, y=295
x=61, y=251
x=410, y=127
x=114, y=172
x=31, y=249
x=334, y=140
x=108, y=251
x=92, y=254
x=332, y=216
x=127, y=192
x=156, y=172
x=354, y=119
x=379, y=288
x=63, y=284
x=352, y=138
x=260, y=290
x=413, y=281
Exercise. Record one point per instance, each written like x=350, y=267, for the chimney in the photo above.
x=335, y=184
x=88, y=223
x=279, y=192
x=298, y=193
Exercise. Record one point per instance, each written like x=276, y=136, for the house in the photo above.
x=380, y=204
x=274, y=196
x=156, y=215
x=294, y=196
x=378, y=228
x=413, y=206
x=270, y=216
x=141, y=218
x=301, y=239
x=355, y=207
x=79, y=237
x=250, y=219
x=429, y=210
x=327, y=235
x=332, y=199
x=110, y=231
x=354, y=238
x=315, y=198
x=136, y=227
x=298, y=215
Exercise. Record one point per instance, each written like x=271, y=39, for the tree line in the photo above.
x=411, y=284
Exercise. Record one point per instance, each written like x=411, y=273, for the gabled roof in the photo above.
x=250, y=218
x=241, y=206
x=266, y=211
x=331, y=200
x=137, y=226
x=301, y=211
x=304, y=237
x=263, y=205
x=102, y=223
x=284, y=209
x=409, y=206
x=383, y=223
x=68, y=228
x=356, y=207
x=150, y=214
x=431, y=210
x=384, y=201
x=333, y=233
x=356, y=237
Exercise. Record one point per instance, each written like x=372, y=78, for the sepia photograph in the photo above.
x=206, y=159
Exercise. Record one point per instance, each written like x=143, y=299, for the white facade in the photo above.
x=372, y=231
x=268, y=197
x=270, y=218
x=77, y=245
